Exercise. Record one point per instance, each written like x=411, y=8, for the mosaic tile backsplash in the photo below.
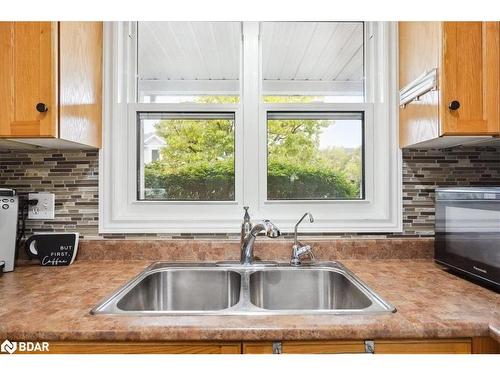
x=424, y=170
x=73, y=177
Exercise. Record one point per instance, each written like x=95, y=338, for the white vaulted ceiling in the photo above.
x=195, y=56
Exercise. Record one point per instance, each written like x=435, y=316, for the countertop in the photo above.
x=53, y=303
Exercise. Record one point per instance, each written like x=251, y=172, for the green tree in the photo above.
x=194, y=142
x=344, y=159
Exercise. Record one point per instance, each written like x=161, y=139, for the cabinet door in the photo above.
x=422, y=346
x=470, y=76
x=28, y=66
x=113, y=347
x=306, y=347
x=411, y=346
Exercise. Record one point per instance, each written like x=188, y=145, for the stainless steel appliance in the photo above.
x=8, y=227
x=468, y=231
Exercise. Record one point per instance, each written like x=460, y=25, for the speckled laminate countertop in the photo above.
x=53, y=303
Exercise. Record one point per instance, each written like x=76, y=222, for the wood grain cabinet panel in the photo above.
x=420, y=346
x=464, y=78
x=467, y=58
x=102, y=347
x=80, y=86
x=475, y=345
x=28, y=69
x=306, y=347
x=419, y=120
x=58, y=64
x=485, y=345
x=491, y=76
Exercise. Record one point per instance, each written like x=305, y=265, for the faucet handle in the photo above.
x=309, y=252
x=246, y=216
x=300, y=251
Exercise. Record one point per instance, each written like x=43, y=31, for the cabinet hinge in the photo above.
x=277, y=347
x=370, y=346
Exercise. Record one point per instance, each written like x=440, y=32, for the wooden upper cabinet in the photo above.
x=28, y=71
x=419, y=120
x=51, y=83
x=470, y=72
x=466, y=102
x=491, y=76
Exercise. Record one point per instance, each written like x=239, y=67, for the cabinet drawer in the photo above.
x=124, y=347
x=306, y=347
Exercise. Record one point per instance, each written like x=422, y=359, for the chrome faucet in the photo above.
x=298, y=250
x=246, y=225
x=266, y=226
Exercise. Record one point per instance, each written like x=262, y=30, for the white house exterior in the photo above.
x=152, y=147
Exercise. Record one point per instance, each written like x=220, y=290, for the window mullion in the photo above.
x=250, y=101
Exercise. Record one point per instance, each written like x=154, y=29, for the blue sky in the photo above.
x=342, y=133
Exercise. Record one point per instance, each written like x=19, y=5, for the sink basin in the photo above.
x=183, y=290
x=305, y=289
x=233, y=289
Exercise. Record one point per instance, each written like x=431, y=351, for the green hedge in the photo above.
x=287, y=181
x=207, y=184
x=216, y=182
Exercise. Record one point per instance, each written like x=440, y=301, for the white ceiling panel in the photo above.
x=188, y=50
x=311, y=53
x=317, y=51
x=353, y=69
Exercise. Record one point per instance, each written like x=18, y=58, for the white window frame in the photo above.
x=121, y=211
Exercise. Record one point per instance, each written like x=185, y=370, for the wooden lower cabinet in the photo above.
x=444, y=346
x=102, y=347
x=476, y=345
x=485, y=345
x=304, y=347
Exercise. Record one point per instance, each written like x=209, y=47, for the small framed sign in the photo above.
x=53, y=249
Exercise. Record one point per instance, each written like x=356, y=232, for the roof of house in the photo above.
x=152, y=138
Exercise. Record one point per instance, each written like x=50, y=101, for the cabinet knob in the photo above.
x=454, y=105
x=42, y=107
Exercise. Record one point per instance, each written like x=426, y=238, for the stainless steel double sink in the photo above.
x=233, y=289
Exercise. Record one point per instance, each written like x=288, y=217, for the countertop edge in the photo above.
x=167, y=334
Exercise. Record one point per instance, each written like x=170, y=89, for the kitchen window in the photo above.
x=314, y=155
x=203, y=118
x=197, y=162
